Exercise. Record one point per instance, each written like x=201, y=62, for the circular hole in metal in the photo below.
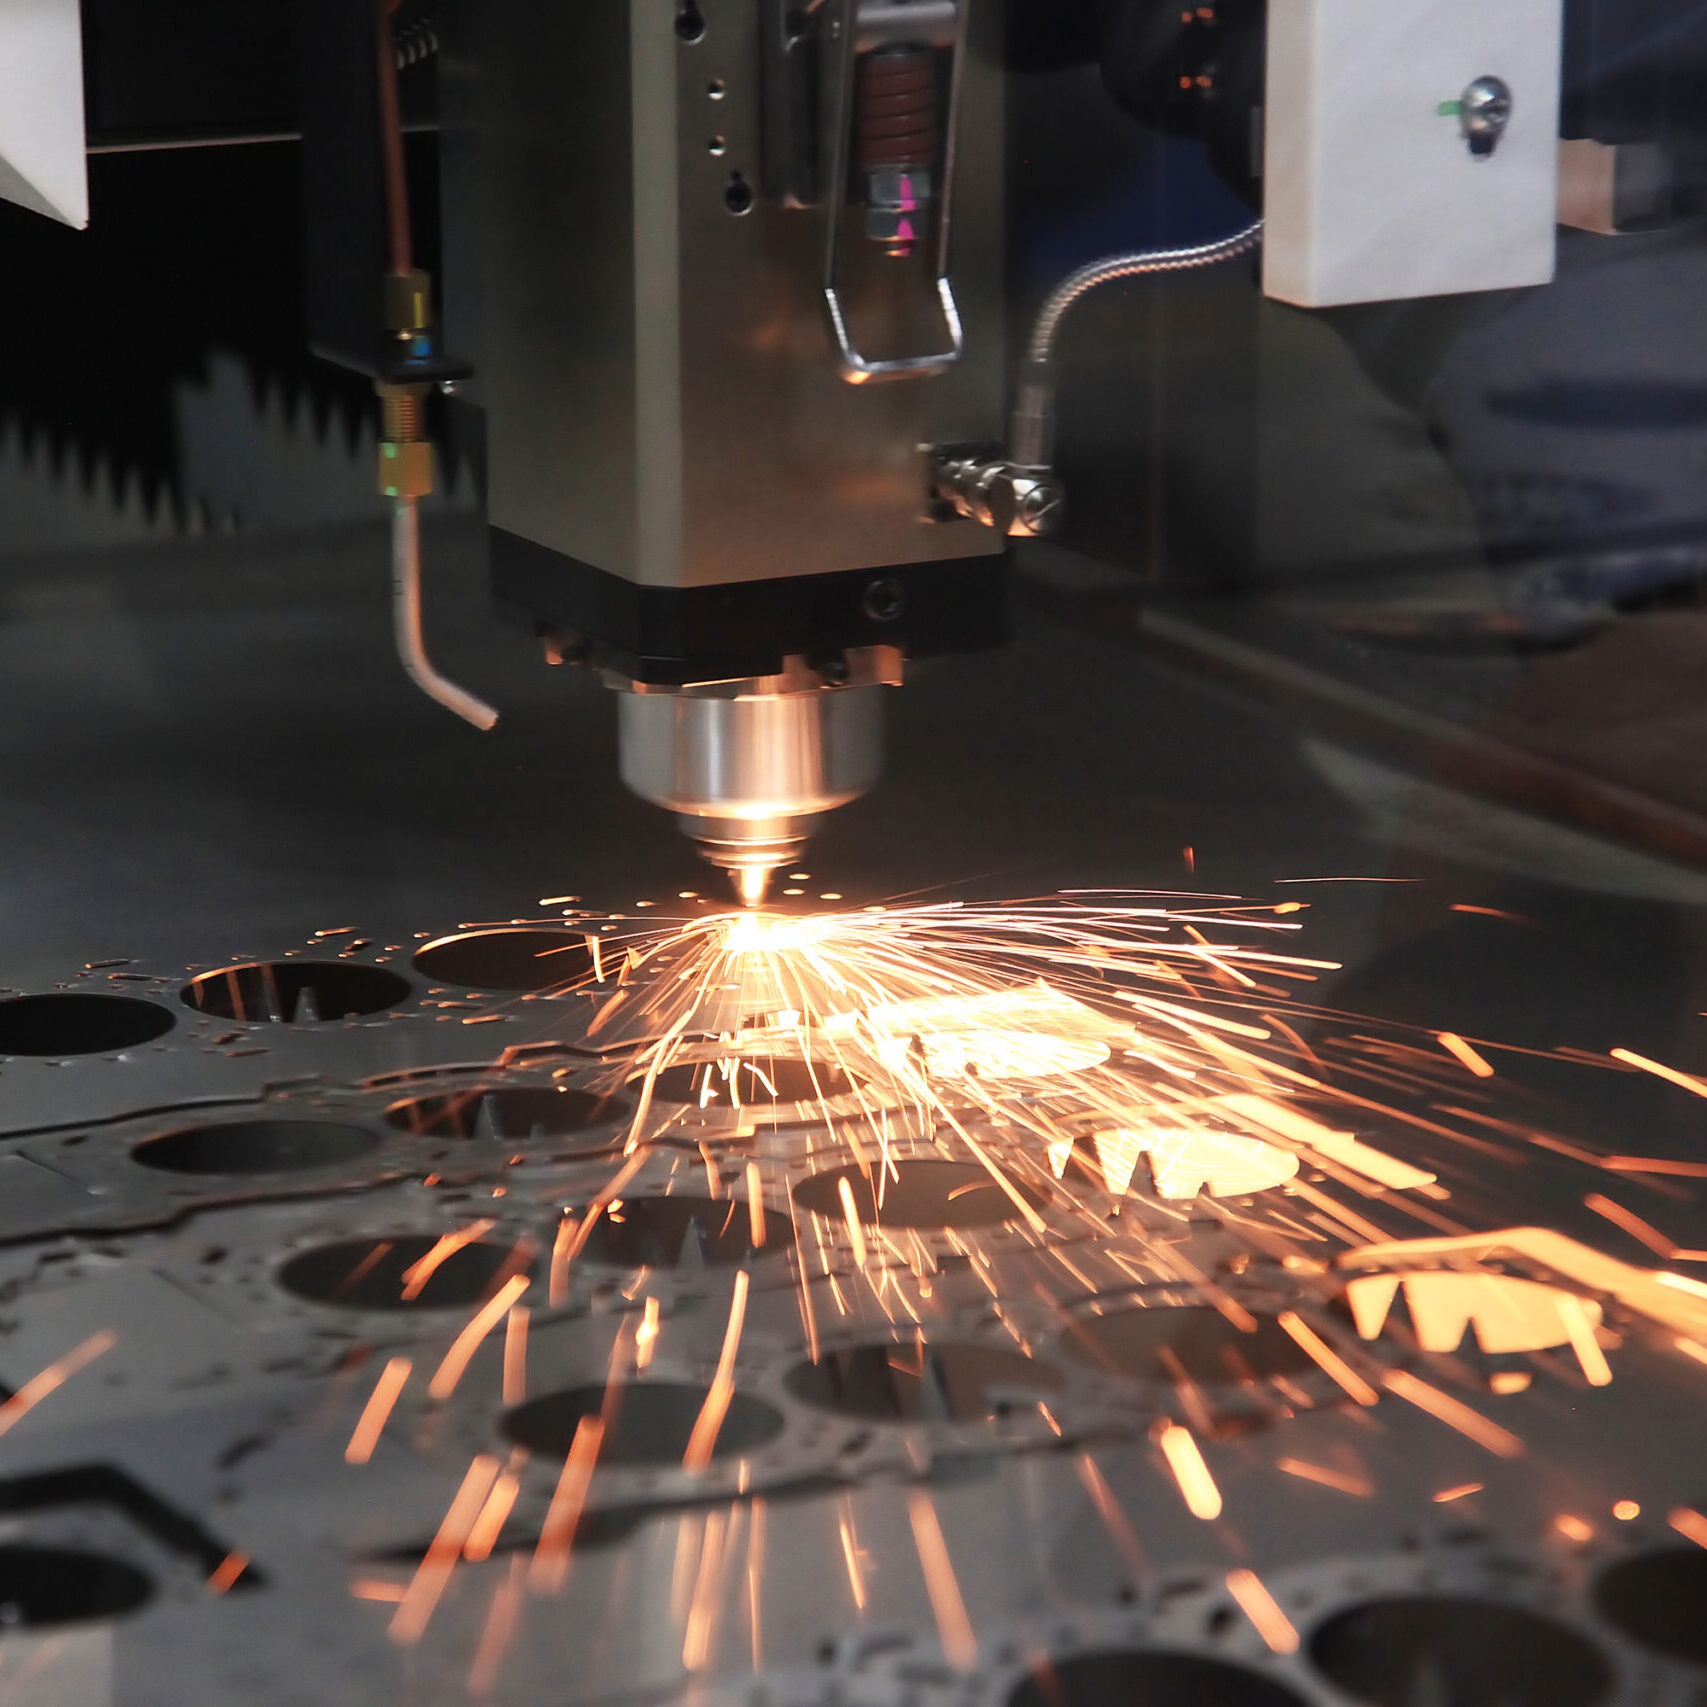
x=295, y=992
x=78, y=1024
x=506, y=959
x=505, y=1112
x=255, y=1147
x=1128, y=1678
x=738, y=195
x=412, y=1271
x=913, y=1382
x=668, y=1232
x=1165, y=1341
x=921, y=1193
x=652, y=1424
x=1452, y=1651
x=718, y=145
x=1660, y=1600
x=742, y=1082
x=56, y=1585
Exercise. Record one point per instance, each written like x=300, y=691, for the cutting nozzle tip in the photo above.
x=751, y=882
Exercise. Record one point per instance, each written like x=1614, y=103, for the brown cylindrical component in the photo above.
x=897, y=110
x=403, y=413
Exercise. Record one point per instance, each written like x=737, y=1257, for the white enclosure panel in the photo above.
x=42, y=162
x=1371, y=190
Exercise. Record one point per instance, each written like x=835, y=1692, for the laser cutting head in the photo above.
x=750, y=772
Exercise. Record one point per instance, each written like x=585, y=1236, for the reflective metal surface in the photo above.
x=749, y=775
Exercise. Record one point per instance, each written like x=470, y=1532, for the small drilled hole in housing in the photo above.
x=718, y=145
x=690, y=21
x=738, y=197
x=716, y=89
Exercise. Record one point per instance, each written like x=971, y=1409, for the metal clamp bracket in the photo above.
x=849, y=30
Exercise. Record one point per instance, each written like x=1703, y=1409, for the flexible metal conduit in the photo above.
x=1031, y=439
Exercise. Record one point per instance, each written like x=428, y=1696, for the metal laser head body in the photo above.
x=749, y=767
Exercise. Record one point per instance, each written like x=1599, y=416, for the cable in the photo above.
x=1048, y=323
x=1031, y=436
x=391, y=140
x=406, y=621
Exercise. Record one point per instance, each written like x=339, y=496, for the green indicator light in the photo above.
x=1450, y=109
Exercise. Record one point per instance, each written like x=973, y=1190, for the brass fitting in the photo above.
x=408, y=302
x=405, y=454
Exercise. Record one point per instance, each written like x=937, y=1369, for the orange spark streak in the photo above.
x=463, y=1348
x=954, y=1628
x=1689, y=1524
x=1328, y=1478
x=1573, y=1528
x=516, y=1356
x=1632, y=1223
x=1691, y=1348
x=1185, y=1458
x=1113, y=1516
x=755, y=1575
x=500, y=1627
x=850, y=1554
x=428, y=1583
x=1596, y=1370
x=696, y=1639
x=709, y=1423
x=371, y=1588
x=483, y=1535
x=1454, y=1413
x=370, y=1425
x=1458, y=1492
x=855, y=1236
x=557, y=1534
x=646, y=1335
x=418, y=1273
x=228, y=1570
x=1332, y=1364
x=51, y=1379
x=1455, y=1046
x=1263, y=1610
x=1660, y=1071
x=755, y=1205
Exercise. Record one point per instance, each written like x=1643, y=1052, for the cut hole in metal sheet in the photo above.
x=1154, y=1678
x=653, y=1423
x=413, y=1271
x=671, y=1232
x=506, y=959
x=1452, y=1651
x=505, y=1112
x=750, y=1080
x=56, y=1585
x=909, y=1382
x=919, y=1193
x=79, y=1024
x=1167, y=1340
x=295, y=992
x=255, y=1147
x=1659, y=1600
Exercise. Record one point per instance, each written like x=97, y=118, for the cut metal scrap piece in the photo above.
x=1672, y=1300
